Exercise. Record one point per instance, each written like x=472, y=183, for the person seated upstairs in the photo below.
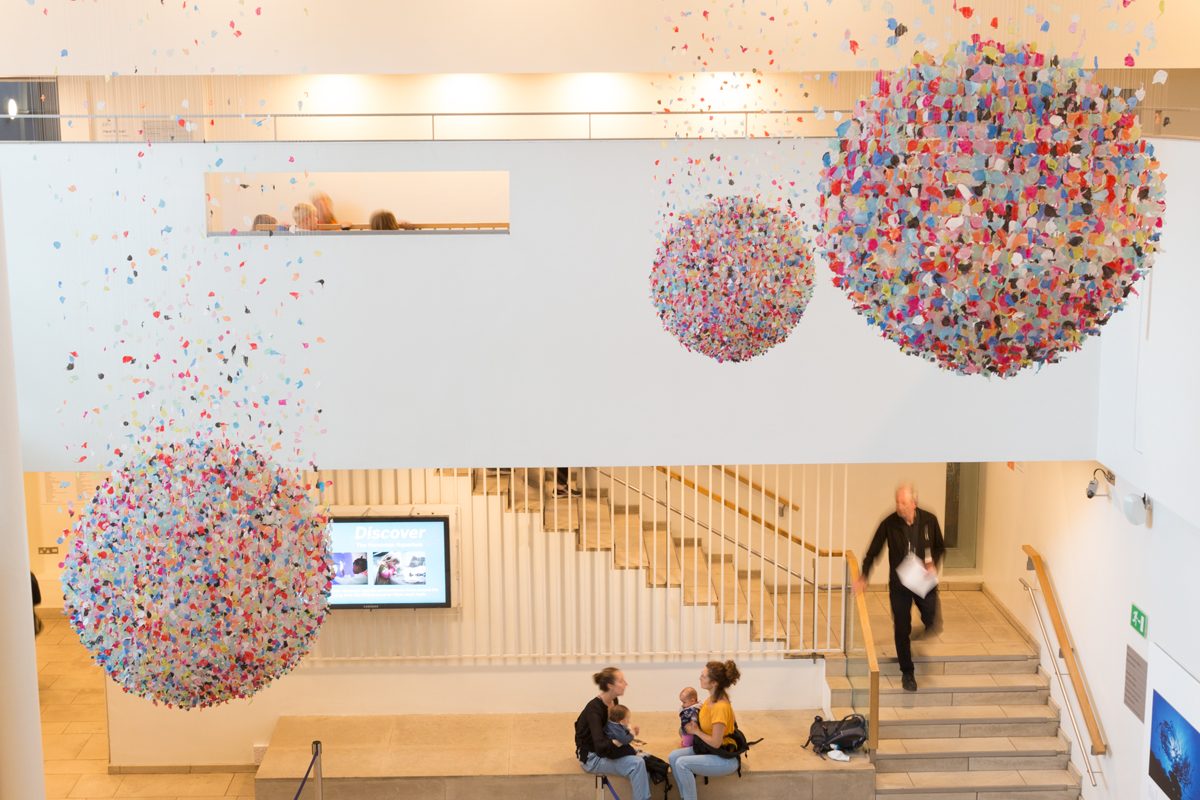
x=305, y=217
x=323, y=204
x=265, y=222
x=384, y=220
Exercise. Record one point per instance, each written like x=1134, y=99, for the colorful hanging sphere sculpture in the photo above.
x=732, y=280
x=198, y=574
x=990, y=211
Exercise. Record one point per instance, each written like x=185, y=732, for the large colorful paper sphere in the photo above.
x=198, y=574
x=732, y=280
x=990, y=211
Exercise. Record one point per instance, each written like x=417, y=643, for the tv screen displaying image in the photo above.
x=390, y=562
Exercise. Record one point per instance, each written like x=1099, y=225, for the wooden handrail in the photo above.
x=1099, y=746
x=750, y=514
x=860, y=601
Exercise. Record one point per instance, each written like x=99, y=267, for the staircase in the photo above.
x=980, y=727
x=736, y=592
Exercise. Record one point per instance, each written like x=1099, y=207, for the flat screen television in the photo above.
x=390, y=562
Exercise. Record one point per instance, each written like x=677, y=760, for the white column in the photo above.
x=20, y=721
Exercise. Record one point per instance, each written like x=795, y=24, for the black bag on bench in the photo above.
x=735, y=750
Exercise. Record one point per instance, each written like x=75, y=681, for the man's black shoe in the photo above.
x=909, y=682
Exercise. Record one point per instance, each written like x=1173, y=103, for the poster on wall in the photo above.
x=1173, y=738
x=390, y=562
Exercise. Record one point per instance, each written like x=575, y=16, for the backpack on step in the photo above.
x=846, y=734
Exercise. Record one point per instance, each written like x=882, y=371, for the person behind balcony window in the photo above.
x=384, y=220
x=323, y=204
x=305, y=217
x=714, y=725
x=597, y=753
x=908, y=530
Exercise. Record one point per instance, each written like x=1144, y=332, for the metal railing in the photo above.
x=630, y=564
x=1066, y=652
x=1158, y=121
x=314, y=769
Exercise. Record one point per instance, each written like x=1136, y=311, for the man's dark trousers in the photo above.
x=902, y=600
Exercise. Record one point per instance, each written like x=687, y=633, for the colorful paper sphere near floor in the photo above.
x=991, y=210
x=198, y=574
x=732, y=280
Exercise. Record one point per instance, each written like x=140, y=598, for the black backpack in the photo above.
x=658, y=770
x=740, y=745
x=847, y=734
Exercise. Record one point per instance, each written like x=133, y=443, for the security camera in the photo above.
x=1092, y=486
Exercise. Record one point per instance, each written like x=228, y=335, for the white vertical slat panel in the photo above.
x=404, y=495
x=358, y=487
x=341, y=487
x=387, y=487
x=374, y=489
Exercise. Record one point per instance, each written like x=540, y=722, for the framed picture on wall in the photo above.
x=1173, y=733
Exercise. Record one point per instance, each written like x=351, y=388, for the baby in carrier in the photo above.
x=689, y=711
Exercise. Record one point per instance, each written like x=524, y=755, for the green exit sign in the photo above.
x=1137, y=620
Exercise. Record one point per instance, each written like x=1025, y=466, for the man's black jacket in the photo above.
x=892, y=531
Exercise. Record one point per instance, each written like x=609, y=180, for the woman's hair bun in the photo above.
x=606, y=678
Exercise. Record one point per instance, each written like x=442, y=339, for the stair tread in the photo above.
x=984, y=682
x=972, y=780
x=972, y=745
x=926, y=715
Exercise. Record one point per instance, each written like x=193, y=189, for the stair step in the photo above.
x=561, y=514
x=924, y=722
x=925, y=664
x=765, y=625
x=982, y=784
x=627, y=541
x=662, y=558
x=698, y=588
x=964, y=753
x=1019, y=689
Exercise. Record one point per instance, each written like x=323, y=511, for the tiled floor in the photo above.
x=75, y=734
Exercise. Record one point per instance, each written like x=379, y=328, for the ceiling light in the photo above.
x=12, y=108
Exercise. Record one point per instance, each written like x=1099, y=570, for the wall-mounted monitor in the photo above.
x=390, y=562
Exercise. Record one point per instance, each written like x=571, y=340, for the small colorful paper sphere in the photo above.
x=732, y=280
x=198, y=574
x=990, y=211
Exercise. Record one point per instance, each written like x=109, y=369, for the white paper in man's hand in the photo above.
x=915, y=577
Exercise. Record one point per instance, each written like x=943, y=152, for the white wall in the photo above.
x=231, y=37
x=235, y=199
x=1100, y=565
x=540, y=347
x=1150, y=363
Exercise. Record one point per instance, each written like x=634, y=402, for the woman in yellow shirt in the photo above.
x=715, y=725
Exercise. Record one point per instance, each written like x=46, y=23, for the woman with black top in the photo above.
x=595, y=751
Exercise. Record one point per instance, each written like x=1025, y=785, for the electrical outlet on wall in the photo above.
x=47, y=551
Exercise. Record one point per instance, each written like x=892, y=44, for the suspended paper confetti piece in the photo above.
x=732, y=280
x=198, y=574
x=990, y=211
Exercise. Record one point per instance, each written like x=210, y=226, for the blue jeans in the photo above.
x=686, y=765
x=631, y=767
